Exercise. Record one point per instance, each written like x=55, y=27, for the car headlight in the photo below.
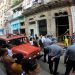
x=38, y=53
x=30, y=57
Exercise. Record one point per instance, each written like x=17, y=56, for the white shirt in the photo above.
x=10, y=53
x=43, y=38
x=31, y=42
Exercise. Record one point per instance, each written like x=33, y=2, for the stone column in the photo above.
x=70, y=21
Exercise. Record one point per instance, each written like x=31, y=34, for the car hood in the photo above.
x=25, y=49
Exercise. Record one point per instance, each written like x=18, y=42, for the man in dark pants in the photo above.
x=55, y=52
x=70, y=59
x=47, y=41
x=45, y=54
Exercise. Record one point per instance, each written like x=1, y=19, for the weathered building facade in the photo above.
x=16, y=19
x=49, y=17
x=4, y=5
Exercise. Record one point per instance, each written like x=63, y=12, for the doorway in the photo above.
x=42, y=27
x=22, y=31
x=32, y=32
x=62, y=24
x=15, y=31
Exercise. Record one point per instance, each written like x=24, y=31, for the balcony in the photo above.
x=37, y=3
x=49, y=5
x=60, y=3
x=16, y=2
x=15, y=15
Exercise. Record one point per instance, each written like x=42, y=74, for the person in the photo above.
x=46, y=42
x=31, y=41
x=54, y=39
x=42, y=38
x=7, y=60
x=54, y=54
x=9, y=50
x=2, y=67
x=37, y=39
x=17, y=67
x=30, y=67
x=73, y=37
x=69, y=59
x=66, y=42
x=26, y=40
x=35, y=43
x=36, y=36
x=40, y=42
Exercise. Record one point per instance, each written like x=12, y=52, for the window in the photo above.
x=33, y=22
x=31, y=19
x=22, y=23
x=42, y=16
x=15, y=42
x=1, y=31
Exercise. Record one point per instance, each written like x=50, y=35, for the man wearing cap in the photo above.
x=55, y=52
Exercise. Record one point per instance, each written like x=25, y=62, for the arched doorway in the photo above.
x=62, y=24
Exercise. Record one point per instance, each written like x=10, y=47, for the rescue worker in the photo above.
x=70, y=59
x=66, y=42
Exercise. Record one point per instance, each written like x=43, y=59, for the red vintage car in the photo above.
x=20, y=45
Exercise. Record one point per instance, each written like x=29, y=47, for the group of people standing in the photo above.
x=16, y=64
x=54, y=53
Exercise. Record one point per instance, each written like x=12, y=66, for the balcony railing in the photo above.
x=16, y=3
x=15, y=15
x=38, y=3
x=50, y=5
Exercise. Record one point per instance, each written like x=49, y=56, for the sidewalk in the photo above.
x=61, y=44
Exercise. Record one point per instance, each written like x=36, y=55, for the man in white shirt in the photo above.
x=9, y=51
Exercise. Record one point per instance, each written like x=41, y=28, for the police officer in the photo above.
x=55, y=52
x=70, y=59
x=46, y=43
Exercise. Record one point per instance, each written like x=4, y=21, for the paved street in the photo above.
x=2, y=69
x=45, y=68
x=40, y=23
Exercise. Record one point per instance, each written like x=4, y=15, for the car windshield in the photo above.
x=17, y=41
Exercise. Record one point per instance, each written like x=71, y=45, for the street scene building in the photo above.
x=4, y=5
x=49, y=17
x=16, y=19
x=37, y=37
x=41, y=17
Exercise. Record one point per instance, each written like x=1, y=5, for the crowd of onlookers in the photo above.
x=50, y=47
x=16, y=64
